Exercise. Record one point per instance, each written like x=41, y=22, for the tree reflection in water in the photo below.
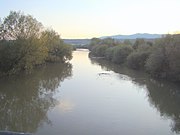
x=26, y=99
x=163, y=95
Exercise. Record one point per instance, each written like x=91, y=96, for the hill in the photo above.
x=134, y=36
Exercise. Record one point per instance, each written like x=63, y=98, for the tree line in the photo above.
x=25, y=43
x=160, y=58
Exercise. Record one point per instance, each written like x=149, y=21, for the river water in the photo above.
x=89, y=97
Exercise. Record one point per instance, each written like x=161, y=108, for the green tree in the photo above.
x=137, y=59
x=120, y=53
x=19, y=26
x=108, y=41
x=57, y=49
x=24, y=44
x=164, y=61
x=94, y=42
x=109, y=53
x=99, y=50
x=127, y=42
x=139, y=41
x=173, y=57
x=21, y=33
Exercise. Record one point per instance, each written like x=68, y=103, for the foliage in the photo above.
x=106, y=41
x=94, y=42
x=19, y=26
x=57, y=50
x=120, y=53
x=109, y=53
x=160, y=58
x=99, y=50
x=137, y=59
x=127, y=42
x=25, y=44
x=164, y=61
x=157, y=63
x=139, y=42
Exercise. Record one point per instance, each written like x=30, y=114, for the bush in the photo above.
x=137, y=60
x=99, y=50
x=173, y=58
x=109, y=53
x=164, y=62
x=57, y=49
x=120, y=53
x=157, y=64
x=160, y=58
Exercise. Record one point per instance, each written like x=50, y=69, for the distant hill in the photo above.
x=77, y=41
x=134, y=36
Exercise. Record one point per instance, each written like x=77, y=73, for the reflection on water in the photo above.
x=66, y=105
x=100, y=98
x=26, y=99
x=162, y=95
x=166, y=98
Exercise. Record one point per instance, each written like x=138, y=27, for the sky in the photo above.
x=96, y=18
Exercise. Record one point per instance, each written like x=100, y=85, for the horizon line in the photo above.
x=120, y=35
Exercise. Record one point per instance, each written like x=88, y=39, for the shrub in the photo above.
x=99, y=50
x=109, y=53
x=120, y=53
x=157, y=64
x=137, y=60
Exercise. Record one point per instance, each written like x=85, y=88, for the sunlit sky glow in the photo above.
x=95, y=18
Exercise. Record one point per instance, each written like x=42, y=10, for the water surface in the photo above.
x=89, y=97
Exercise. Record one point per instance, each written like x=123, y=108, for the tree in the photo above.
x=164, y=61
x=24, y=44
x=139, y=41
x=120, y=53
x=127, y=42
x=108, y=41
x=94, y=42
x=57, y=49
x=99, y=50
x=19, y=26
x=109, y=53
x=173, y=57
x=157, y=64
x=137, y=59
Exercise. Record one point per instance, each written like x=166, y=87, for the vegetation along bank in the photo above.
x=25, y=43
x=160, y=58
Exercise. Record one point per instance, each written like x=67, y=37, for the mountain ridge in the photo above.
x=134, y=36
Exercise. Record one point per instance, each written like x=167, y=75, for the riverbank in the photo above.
x=160, y=59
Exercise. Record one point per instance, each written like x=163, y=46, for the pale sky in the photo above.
x=96, y=18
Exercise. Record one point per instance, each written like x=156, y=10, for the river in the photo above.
x=89, y=97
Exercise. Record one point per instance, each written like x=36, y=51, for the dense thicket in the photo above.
x=25, y=43
x=160, y=58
